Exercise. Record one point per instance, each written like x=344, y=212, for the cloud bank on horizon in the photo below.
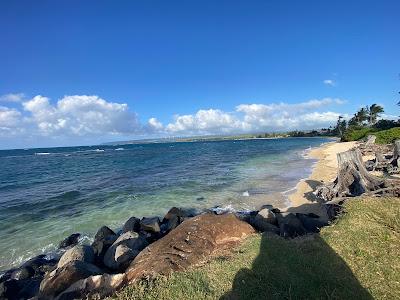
x=90, y=119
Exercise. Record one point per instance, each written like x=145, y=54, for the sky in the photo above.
x=87, y=72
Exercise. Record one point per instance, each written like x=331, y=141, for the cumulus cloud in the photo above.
x=204, y=122
x=330, y=82
x=258, y=117
x=81, y=116
x=17, y=97
x=155, y=125
x=91, y=118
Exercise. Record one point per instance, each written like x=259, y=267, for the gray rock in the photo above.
x=98, y=286
x=70, y=241
x=103, y=239
x=124, y=250
x=60, y=279
x=80, y=252
x=150, y=224
x=133, y=224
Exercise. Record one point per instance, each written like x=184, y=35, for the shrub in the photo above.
x=356, y=133
x=387, y=136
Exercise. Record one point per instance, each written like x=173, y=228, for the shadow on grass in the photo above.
x=304, y=268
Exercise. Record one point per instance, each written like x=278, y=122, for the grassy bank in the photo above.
x=356, y=258
x=382, y=136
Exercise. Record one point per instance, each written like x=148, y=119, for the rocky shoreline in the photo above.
x=148, y=246
x=116, y=253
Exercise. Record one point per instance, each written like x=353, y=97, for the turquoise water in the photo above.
x=47, y=194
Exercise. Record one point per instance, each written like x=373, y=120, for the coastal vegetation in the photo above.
x=355, y=258
x=365, y=122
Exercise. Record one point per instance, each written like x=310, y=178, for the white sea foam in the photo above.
x=119, y=149
x=42, y=153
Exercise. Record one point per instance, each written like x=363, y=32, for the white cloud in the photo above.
x=154, y=124
x=81, y=116
x=258, y=117
x=17, y=97
x=204, y=122
x=9, y=121
x=90, y=119
x=330, y=82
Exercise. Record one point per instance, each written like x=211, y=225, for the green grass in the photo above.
x=356, y=258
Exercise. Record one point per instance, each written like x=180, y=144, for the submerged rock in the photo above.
x=190, y=243
x=72, y=240
x=80, y=252
x=124, y=250
x=60, y=279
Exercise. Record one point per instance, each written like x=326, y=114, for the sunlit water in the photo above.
x=47, y=194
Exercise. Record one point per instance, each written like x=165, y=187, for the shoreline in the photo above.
x=323, y=171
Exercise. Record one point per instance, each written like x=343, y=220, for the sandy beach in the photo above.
x=324, y=171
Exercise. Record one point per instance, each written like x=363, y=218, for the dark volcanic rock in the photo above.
x=133, y=224
x=290, y=225
x=72, y=240
x=311, y=222
x=124, y=250
x=103, y=239
x=79, y=252
x=9, y=289
x=150, y=224
x=61, y=278
x=40, y=264
x=23, y=273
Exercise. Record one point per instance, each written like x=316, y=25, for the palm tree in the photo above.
x=374, y=111
x=362, y=115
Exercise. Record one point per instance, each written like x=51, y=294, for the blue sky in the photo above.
x=191, y=67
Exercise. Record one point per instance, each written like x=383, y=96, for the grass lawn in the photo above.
x=356, y=258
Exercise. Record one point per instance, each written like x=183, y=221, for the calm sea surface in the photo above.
x=47, y=194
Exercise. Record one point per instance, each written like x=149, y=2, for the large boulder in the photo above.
x=265, y=221
x=290, y=225
x=97, y=286
x=175, y=216
x=133, y=224
x=103, y=239
x=79, y=252
x=191, y=243
x=69, y=241
x=124, y=250
x=151, y=225
x=60, y=279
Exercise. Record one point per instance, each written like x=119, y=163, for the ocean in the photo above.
x=47, y=194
